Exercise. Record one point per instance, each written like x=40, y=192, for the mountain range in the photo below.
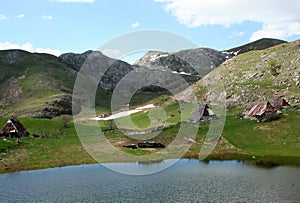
x=40, y=85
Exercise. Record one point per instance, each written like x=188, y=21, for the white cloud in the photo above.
x=280, y=30
x=28, y=47
x=76, y=1
x=279, y=18
x=47, y=17
x=22, y=15
x=54, y=52
x=2, y=17
x=8, y=45
x=135, y=24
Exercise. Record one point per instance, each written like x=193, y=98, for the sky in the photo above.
x=60, y=26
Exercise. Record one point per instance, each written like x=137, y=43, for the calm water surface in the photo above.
x=186, y=181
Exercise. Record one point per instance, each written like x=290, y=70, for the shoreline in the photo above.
x=259, y=161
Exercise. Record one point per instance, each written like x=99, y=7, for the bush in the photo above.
x=273, y=63
x=274, y=67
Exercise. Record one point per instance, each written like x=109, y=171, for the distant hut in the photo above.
x=202, y=113
x=261, y=111
x=150, y=144
x=13, y=128
x=280, y=103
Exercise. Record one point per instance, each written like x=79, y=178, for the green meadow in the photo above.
x=277, y=142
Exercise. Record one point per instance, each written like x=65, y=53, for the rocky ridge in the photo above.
x=260, y=44
x=109, y=71
x=192, y=64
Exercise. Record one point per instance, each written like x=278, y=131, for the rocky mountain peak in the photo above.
x=148, y=60
x=192, y=63
x=75, y=61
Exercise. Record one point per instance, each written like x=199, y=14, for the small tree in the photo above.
x=274, y=66
x=273, y=62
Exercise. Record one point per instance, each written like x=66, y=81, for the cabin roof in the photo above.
x=279, y=102
x=259, y=108
x=14, y=125
x=200, y=111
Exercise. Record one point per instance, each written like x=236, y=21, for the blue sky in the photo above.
x=59, y=26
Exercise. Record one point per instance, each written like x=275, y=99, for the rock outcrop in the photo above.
x=58, y=106
x=192, y=64
x=102, y=69
x=73, y=60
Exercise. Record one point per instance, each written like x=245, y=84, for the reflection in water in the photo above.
x=186, y=181
x=262, y=164
x=150, y=162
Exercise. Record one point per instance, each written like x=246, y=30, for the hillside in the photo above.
x=35, y=85
x=258, y=76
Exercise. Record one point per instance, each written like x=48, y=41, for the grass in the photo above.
x=248, y=76
x=5, y=146
x=62, y=148
x=34, y=79
x=280, y=137
x=277, y=142
x=103, y=99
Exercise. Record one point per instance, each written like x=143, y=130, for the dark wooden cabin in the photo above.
x=14, y=128
x=280, y=103
x=203, y=113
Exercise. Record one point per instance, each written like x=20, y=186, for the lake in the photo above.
x=189, y=180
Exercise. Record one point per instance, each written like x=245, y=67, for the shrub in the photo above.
x=274, y=67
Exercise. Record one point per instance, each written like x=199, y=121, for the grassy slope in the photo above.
x=33, y=81
x=247, y=77
x=280, y=137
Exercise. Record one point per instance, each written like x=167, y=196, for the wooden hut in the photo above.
x=280, y=103
x=261, y=111
x=202, y=113
x=13, y=128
